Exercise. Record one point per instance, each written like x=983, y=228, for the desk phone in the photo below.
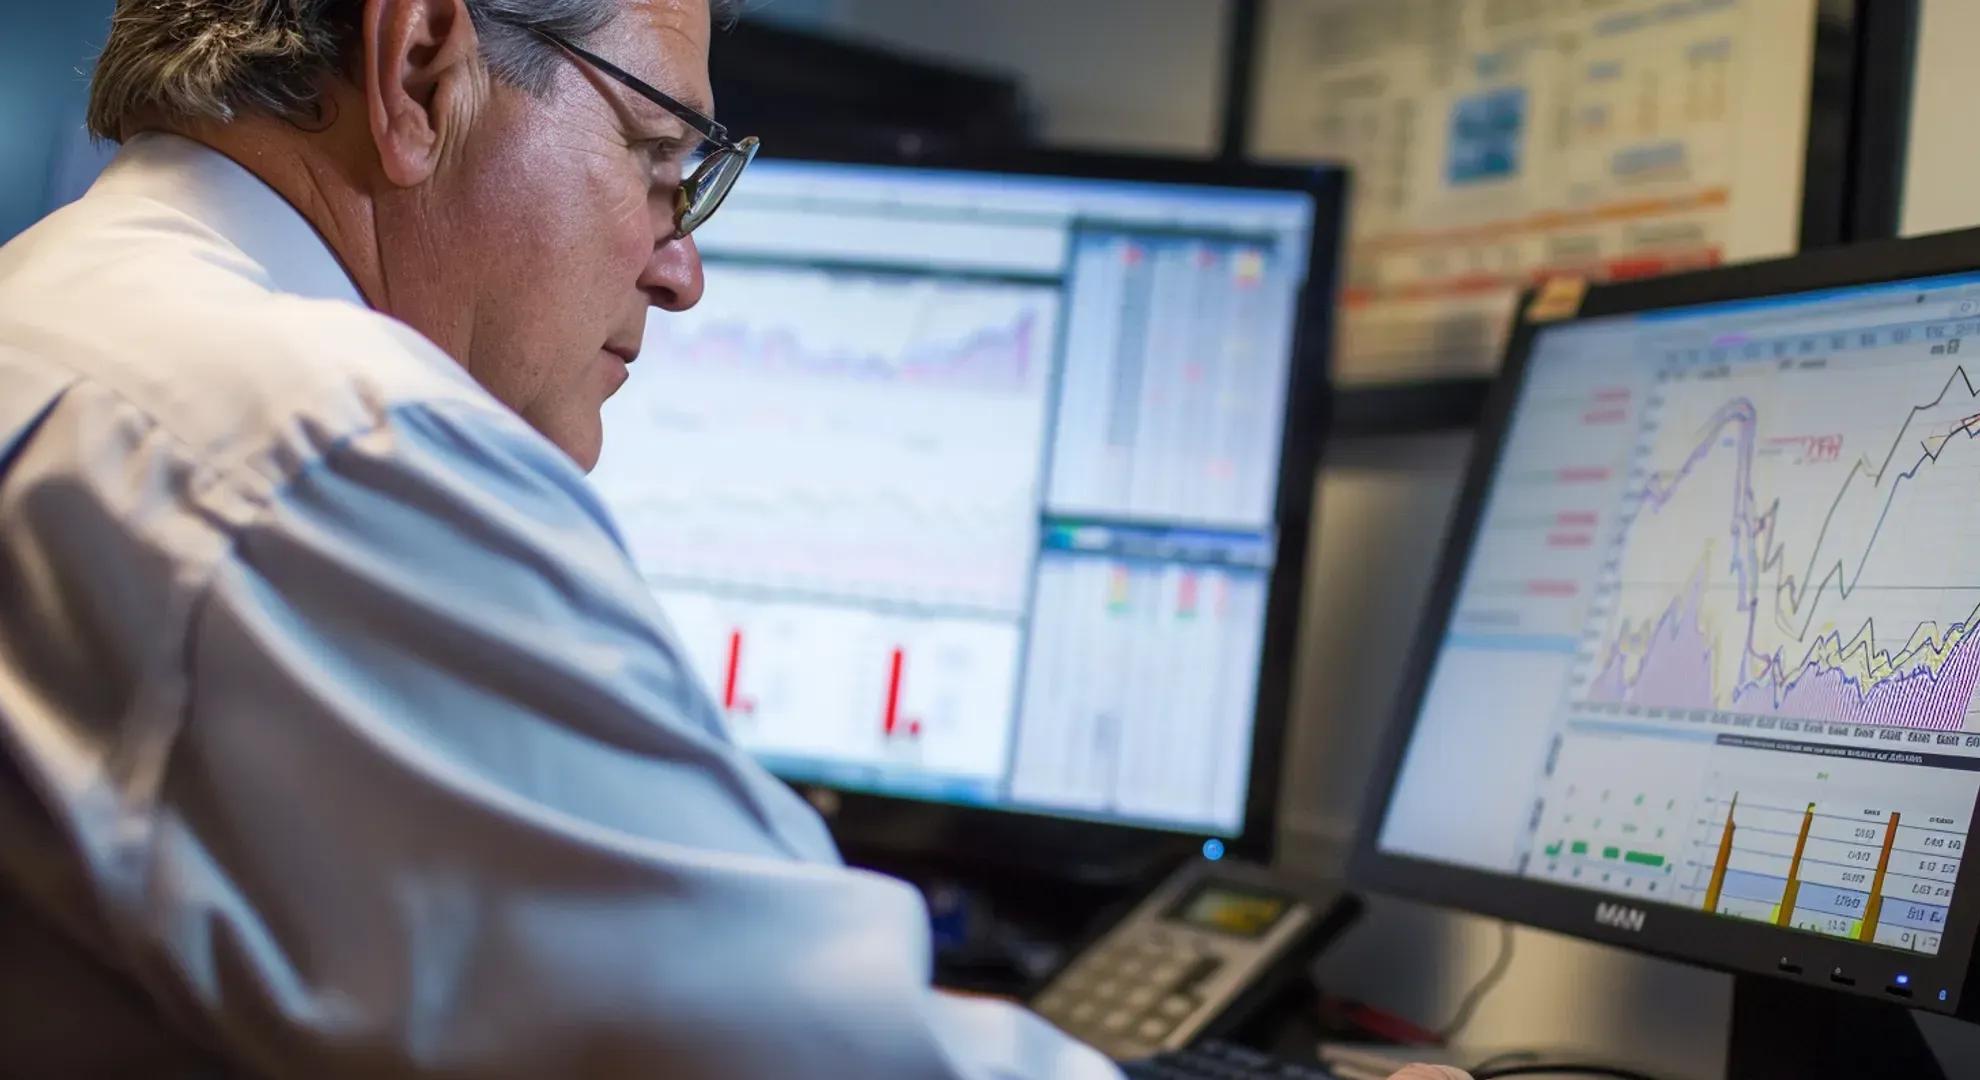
x=1189, y=960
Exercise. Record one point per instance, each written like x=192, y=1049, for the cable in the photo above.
x=1562, y=1069
x=1484, y=986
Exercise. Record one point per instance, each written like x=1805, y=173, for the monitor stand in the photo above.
x=1787, y=1031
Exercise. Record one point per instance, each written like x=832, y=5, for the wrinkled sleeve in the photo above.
x=448, y=800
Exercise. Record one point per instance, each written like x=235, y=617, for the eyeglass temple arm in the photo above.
x=690, y=116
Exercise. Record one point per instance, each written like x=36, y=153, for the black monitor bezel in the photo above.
x=1671, y=932
x=877, y=827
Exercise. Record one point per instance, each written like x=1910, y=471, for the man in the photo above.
x=337, y=734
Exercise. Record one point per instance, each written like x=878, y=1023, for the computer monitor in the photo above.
x=979, y=494
x=1699, y=672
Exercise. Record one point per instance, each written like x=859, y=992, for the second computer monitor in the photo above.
x=969, y=487
x=1701, y=675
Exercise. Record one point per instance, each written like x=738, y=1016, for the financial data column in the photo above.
x=1141, y=679
x=1175, y=390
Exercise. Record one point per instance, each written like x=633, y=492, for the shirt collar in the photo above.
x=215, y=191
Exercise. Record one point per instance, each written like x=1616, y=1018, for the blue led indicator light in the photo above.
x=1904, y=980
x=1942, y=995
x=1213, y=850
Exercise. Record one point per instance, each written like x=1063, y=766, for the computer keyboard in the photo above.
x=1222, y=1061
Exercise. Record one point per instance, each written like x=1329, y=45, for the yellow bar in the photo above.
x=1725, y=856
x=1785, y=917
x=1876, y=905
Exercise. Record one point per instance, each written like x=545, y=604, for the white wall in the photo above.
x=1108, y=74
x=1942, y=174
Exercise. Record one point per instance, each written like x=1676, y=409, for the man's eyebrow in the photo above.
x=649, y=122
x=686, y=96
x=647, y=107
x=692, y=101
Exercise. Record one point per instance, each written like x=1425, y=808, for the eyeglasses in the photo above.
x=701, y=194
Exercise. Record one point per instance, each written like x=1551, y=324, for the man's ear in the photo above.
x=422, y=82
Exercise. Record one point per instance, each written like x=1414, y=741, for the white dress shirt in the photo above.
x=337, y=731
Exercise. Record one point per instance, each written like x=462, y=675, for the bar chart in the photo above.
x=893, y=725
x=1799, y=840
x=856, y=687
x=1614, y=835
x=1823, y=858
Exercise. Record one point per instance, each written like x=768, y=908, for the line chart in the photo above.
x=1842, y=595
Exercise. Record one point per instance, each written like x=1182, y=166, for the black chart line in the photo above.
x=1863, y=640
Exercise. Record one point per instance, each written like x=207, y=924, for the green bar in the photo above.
x=1553, y=849
x=1612, y=853
x=1644, y=858
x=1579, y=847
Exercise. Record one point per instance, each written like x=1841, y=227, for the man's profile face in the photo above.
x=569, y=215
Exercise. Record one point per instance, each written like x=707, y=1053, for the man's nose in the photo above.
x=672, y=278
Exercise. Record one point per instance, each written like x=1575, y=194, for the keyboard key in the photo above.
x=1177, y=1006
x=1221, y=1061
x=1243, y=1056
x=1154, y=1029
x=1117, y=1022
x=1141, y=997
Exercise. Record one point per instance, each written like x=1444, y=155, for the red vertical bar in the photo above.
x=735, y=671
x=894, y=693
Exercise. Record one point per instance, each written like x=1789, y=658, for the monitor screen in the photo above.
x=1717, y=638
x=964, y=487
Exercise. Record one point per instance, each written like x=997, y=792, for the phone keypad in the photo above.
x=1130, y=995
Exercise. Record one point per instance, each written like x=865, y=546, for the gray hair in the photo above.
x=181, y=60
